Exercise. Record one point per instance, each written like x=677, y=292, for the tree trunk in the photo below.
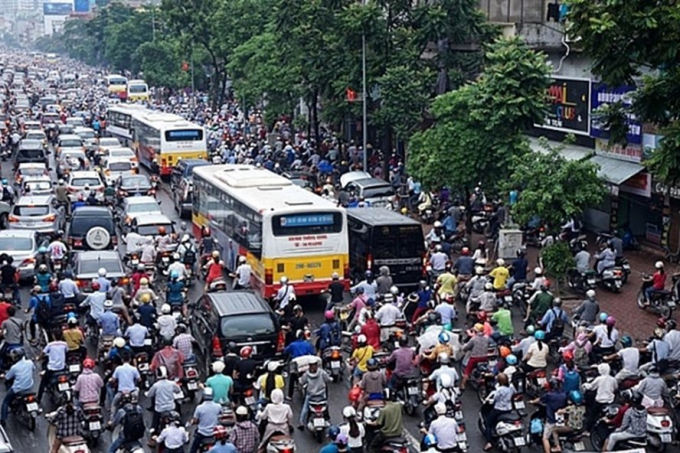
x=315, y=110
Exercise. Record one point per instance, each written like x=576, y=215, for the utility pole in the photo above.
x=363, y=96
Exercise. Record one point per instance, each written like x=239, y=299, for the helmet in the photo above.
x=141, y=267
x=119, y=342
x=479, y=270
x=42, y=268
x=186, y=238
x=333, y=432
x=218, y=366
x=162, y=372
x=369, y=273
x=658, y=265
x=538, y=271
x=443, y=358
x=488, y=286
x=465, y=251
x=361, y=339
x=636, y=397
x=215, y=254
x=272, y=366
x=241, y=410
x=145, y=298
x=43, y=249
x=372, y=364
x=73, y=321
x=174, y=416
x=568, y=356
x=161, y=230
x=481, y=316
x=438, y=248
x=500, y=262
x=394, y=290
x=444, y=338
x=329, y=315
x=511, y=359
x=88, y=363
x=61, y=182
x=611, y=321
x=108, y=304
x=504, y=351
x=348, y=412
x=440, y=408
x=539, y=335
x=445, y=380
x=557, y=302
x=626, y=341
x=101, y=272
x=530, y=329
x=17, y=353
x=165, y=309
x=207, y=393
x=671, y=324
x=297, y=308
x=174, y=274
x=37, y=289
x=590, y=294
x=143, y=281
x=430, y=441
x=283, y=280
x=246, y=352
x=437, y=224
x=603, y=316
x=479, y=327
x=95, y=286
x=175, y=256
x=54, y=286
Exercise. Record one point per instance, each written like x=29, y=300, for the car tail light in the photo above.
x=424, y=263
x=114, y=240
x=280, y=342
x=13, y=219
x=123, y=281
x=100, y=189
x=216, y=347
x=80, y=451
x=50, y=218
x=287, y=450
x=28, y=261
x=77, y=243
x=665, y=423
x=268, y=277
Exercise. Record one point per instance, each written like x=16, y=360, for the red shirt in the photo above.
x=659, y=280
x=136, y=277
x=214, y=272
x=4, y=316
x=372, y=332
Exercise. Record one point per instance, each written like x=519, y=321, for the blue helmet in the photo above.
x=43, y=249
x=333, y=432
x=603, y=316
x=539, y=335
x=576, y=397
x=174, y=274
x=444, y=337
x=430, y=440
x=511, y=359
x=626, y=341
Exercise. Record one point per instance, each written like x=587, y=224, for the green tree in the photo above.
x=478, y=129
x=557, y=259
x=553, y=188
x=160, y=61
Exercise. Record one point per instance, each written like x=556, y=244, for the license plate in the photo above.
x=519, y=405
x=166, y=259
x=32, y=407
x=579, y=446
x=458, y=416
x=148, y=342
x=63, y=386
x=591, y=281
x=179, y=396
x=671, y=303
x=413, y=390
x=626, y=267
x=335, y=365
x=95, y=426
x=74, y=368
x=520, y=442
x=135, y=262
x=492, y=363
x=666, y=438
x=618, y=283
x=143, y=366
x=462, y=437
x=508, y=299
x=192, y=386
x=541, y=381
x=250, y=400
x=319, y=422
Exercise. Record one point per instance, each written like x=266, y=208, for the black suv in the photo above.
x=240, y=316
x=91, y=228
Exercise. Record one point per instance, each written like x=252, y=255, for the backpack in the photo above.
x=580, y=355
x=190, y=256
x=572, y=381
x=133, y=425
x=335, y=335
x=558, y=322
x=42, y=311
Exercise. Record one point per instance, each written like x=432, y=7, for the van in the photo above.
x=379, y=237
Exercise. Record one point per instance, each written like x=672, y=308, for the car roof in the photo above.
x=193, y=162
x=152, y=219
x=34, y=200
x=121, y=148
x=238, y=303
x=115, y=159
x=371, y=182
x=32, y=165
x=30, y=141
x=98, y=254
x=140, y=200
x=92, y=211
x=69, y=137
x=17, y=234
x=83, y=129
x=353, y=176
x=84, y=174
x=380, y=216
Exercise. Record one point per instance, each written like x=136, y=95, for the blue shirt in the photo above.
x=226, y=448
x=104, y=284
x=109, y=323
x=298, y=348
x=519, y=268
x=424, y=297
x=147, y=314
x=22, y=373
x=175, y=292
x=126, y=375
x=465, y=265
x=329, y=448
x=33, y=304
x=136, y=333
x=56, y=353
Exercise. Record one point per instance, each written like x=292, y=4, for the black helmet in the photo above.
x=174, y=416
x=636, y=397
x=17, y=353
x=557, y=302
x=181, y=328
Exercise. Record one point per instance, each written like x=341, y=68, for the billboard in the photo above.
x=81, y=6
x=603, y=95
x=57, y=9
x=568, y=106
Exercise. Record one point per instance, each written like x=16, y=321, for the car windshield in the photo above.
x=137, y=181
x=82, y=182
x=378, y=191
x=152, y=230
x=120, y=166
x=137, y=88
x=109, y=142
x=143, y=207
x=247, y=325
x=71, y=144
x=38, y=185
x=86, y=134
x=32, y=172
x=31, y=211
x=92, y=266
x=121, y=153
x=31, y=153
x=10, y=244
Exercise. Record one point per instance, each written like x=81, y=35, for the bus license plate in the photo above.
x=32, y=407
x=63, y=386
x=95, y=426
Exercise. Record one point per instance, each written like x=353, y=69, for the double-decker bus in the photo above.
x=282, y=229
x=116, y=85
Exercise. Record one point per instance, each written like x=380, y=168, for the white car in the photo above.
x=79, y=180
x=125, y=153
x=115, y=167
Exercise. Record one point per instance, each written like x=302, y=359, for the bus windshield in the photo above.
x=137, y=89
x=116, y=81
x=394, y=241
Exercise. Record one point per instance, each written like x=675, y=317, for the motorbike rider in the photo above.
x=75, y=340
x=605, y=337
x=554, y=320
x=242, y=274
x=389, y=422
x=539, y=303
x=57, y=248
x=61, y=195
x=519, y=267
x=354, y=430
x=553, y=400
x=477, y=347
x=384, y=281
x=175, y=294
x=329, y=333
x=55, y=352
x=295, y=323
x=487, y=301
x=68, y=420
x=445, y=369
x=500, y=275
x=89, y=385
x=207, y=245
x=187, y=251
x=95, y=300
x=502, y=404
x=19, y=378
x=539, y=280
x=10, y=279
x=536, y=357
x=164, y=242
x=177, y=267
x=475, y=286
x=405, y=362
x=137, y=276
x=43, y=257
x=162, y=393
x=315, y=383
x=606, y=258
x=672, y=337
x=445, y=394
x=629, y=356
x=145, y=289
x=171, y=359
x=438, y=261
x=206, y=416
x=184, y=342
x=653, y=389
x=245, y=435
x=443, y=346
x=298, y=348
x=166, y=324
x=269, y=381
x=278, y=417
x=357, y=305
x=582, y=259
x=109, y=321
x=372, y=382
x=464, y=265
x=369, y=285
x=658, y=281
x=436, y=235
x=574, y=413
x=605, y=387
x=634, y=425
x=446, y=283
x=40, y=307
x=174, y=437
x=130, y=417
x=588, y=310
x=214, y=269
x=146, y=312
x=244, y=369
x=43, y=278
x=104, y=283
x=221, y=384
x=445, y=430
x=148, y=248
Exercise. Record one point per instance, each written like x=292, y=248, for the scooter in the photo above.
x=92, y=428
x=660, y=429
x=507, y=434
x=318, y=418
x=280, y=443
x=26, y=409
x=74, y=444
x=142, y=361
x=612, y=279
x=333, y=363
x=410, y=395
x=190, y=380
x=661, y=302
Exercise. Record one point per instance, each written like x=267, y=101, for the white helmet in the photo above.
x=658, y=265
x=218, y=366
x=500, y=262
x=440, y=408
x=165, y=309
x=437, y=224
x=361, y=339
x=283, y=280
x=538, y=271
x=394, y=290
x=479, y=270
x=119, y=342
x=590, y=294
x=348, y=412
x=176, y=256
x=101, y=272
x=186, y=238
x=242, y=259
x=488, y=286
x=438, y=247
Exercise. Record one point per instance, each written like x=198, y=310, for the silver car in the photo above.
x=22, y=246
x=86, y=266
x=37, y=213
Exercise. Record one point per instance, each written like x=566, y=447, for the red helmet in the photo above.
x=661, y=322
x=95, y=286
x=161, y=230
x=329, y=315
x=206, y=231
x=568, y=356
x=220, y=432
x=354, y=393
x=88, y=363
x=54, y=286
x=465, y=251
x=246, y=352
x=481, y=316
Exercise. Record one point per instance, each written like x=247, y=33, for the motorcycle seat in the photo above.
x=399, y=440
x=658, y=411
x=661, y=293
x=509, y=417
x=72, y=440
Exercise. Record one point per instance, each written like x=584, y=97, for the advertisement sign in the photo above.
x=568, y=106
x=57, y=9
x=640, y=184
x=603, y=95
x=629, y=152
x=81, y=6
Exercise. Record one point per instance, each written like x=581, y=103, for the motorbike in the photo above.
x=534, y=236
x=280, y=443
x=624, y=264
x=581, y=281
x=410, y=395
x=142, y=361
x=164, y=263
x=661, y=302
x=26, y=409
x=520, y=297
x=60, y=388
x=105, y=345
x=611, y=279
x=507, y=434
x=190, y=379
x=660, y=429
x=318, y=418
x=73, y=365
x=217, y=286
x=535, y=383
x=57, y=266
x=333, y=363
x=603, y=429
x=92, y=428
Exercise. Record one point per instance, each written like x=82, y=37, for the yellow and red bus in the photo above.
x=282, y=229
x=116, y=85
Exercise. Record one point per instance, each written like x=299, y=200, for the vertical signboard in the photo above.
x=568, y=106
x=603, y=95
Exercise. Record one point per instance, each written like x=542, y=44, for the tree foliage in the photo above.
x=478, y=128
x=557, y=259
x=553, y=188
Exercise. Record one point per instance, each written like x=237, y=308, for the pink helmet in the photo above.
x=329, y=315
x=611, y=321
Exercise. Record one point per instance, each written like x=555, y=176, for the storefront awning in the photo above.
x=616, y=171
x=569, y=152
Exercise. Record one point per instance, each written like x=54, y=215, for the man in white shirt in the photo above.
x=242, y=274
x=672, y=337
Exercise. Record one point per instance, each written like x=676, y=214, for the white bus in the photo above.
x=119, y=121
x=282, y=229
